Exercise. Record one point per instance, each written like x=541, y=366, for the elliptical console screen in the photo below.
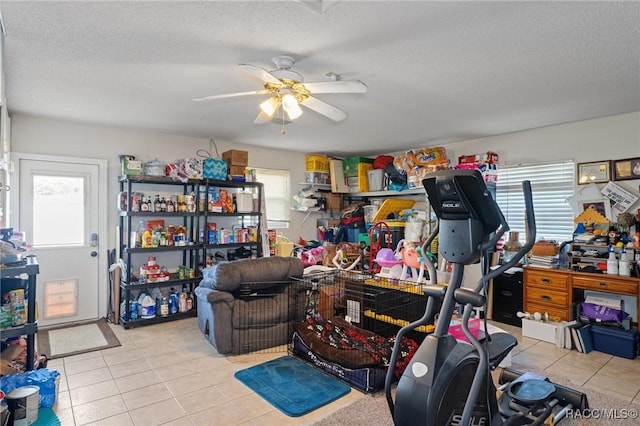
x=461, y=195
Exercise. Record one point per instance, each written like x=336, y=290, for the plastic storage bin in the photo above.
x=615, y=341
x=317, y=163
x=353, y=166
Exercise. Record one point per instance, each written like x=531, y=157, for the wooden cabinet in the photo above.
x=554, y=291
x=607, y=283
x=547, y=291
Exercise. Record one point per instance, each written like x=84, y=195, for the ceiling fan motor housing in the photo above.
x=283, y=72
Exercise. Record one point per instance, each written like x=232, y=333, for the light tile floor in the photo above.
x=168, y=374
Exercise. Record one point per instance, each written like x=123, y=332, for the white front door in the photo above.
x=59, y=210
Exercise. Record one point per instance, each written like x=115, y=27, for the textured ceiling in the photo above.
x=436, y=71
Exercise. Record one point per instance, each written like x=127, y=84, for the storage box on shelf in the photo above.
x=210, y=219
x=236, y=157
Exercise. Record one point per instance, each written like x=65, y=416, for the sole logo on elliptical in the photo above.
x=478, y=418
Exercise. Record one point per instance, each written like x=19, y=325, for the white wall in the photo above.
x=607, y=138
x=55, y=137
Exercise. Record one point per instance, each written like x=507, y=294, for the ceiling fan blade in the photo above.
x=338, y=86
x=231, y=95
x=261, y=73
x=262, y=118
x=324, y=108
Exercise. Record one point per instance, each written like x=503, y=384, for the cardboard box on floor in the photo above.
x=7, y=356
x=329, y=297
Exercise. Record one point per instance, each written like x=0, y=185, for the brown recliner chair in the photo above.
x=251, y=304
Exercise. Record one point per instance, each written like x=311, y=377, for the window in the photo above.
x=551, y=185
x=277, y=194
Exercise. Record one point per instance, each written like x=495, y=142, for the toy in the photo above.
x=413, y=258
x=390, y=264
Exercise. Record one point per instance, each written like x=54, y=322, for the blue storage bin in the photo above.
x=615, y=341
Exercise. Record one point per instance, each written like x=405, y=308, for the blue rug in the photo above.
x=292, y=386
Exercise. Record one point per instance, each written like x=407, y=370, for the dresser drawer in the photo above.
x=606, y=283
x=546, y=296
x=553, y=311
x=546, y=279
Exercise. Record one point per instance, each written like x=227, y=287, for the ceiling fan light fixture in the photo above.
x=270, y=106
x=291, y=106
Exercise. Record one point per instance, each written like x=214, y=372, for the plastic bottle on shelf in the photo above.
x=182, y=302
x=189, y=301
x=624, y=267
x=164, y=307
x=612, y=262
x=142, y=226
x=173, y=301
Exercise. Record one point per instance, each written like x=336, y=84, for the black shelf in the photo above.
x=163, y=214
x=31, y=268
x=168, y=283
x=28, y=328
x=157, y=319
x=230, y=245
x=196, y=223
x=162, y=248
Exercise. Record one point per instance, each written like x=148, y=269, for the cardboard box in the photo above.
x=545, y=331
x=334, y=202
x=236, y=157
x=330, y=298
x=237, y=170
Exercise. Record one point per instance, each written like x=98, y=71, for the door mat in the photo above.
x=292, y=386
x=76, y=339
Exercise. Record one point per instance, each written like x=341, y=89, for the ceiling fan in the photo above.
x=288, y=91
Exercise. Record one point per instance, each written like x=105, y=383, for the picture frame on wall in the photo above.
x=594, y=172
x=601, y=205
x=626, y=169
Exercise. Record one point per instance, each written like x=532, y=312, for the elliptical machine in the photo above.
x=448, y=382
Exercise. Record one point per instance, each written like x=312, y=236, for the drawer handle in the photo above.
x=546, y=280
x=507, y=293
x=545, y=297
x=603, y=285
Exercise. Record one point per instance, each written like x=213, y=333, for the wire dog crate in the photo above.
x=351, y=320
x=264, y=319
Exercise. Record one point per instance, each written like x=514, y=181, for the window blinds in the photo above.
x=277, y=194
x=551, y=185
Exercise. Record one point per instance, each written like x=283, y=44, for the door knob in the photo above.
x=94, y=253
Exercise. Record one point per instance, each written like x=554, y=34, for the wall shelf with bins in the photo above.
x=186, y=251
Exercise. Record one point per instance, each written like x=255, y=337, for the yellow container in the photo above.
x=317, y=163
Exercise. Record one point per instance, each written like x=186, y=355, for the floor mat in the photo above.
x=76, y=339
x=292, y=386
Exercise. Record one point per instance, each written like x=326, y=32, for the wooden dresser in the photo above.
x=553, y=290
